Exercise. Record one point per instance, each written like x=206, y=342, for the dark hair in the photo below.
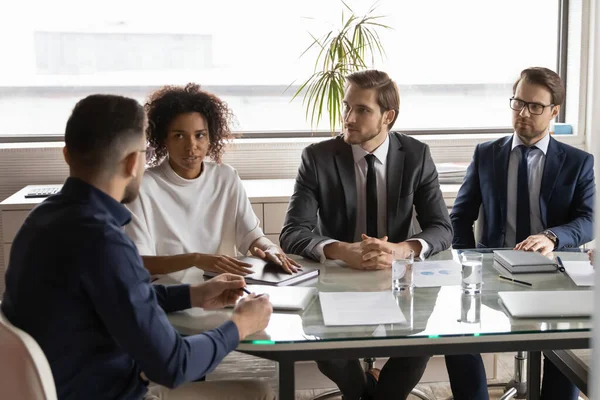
x=100, y=128
x=388, y=96
x=170, y=101
x=544, y=77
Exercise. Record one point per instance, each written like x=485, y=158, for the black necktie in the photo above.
x=523, y=211
x=371, y=196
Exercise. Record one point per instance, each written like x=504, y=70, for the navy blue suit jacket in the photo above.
x=566, y=195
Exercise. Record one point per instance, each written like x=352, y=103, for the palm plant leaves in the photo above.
x=340, y=53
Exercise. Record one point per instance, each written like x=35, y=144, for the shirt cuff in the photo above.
x=425, y=247
x=246, y=242
x=178, y=297
x=319, y=252
x=230, y=334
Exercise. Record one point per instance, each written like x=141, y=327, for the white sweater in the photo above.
x=210, y=214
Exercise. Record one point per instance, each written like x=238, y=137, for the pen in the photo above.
x=506, y=278
x=561, y=267
x=248, y=292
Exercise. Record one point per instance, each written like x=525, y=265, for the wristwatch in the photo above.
x=552, y=236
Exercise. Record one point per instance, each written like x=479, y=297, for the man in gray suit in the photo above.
x=353, y=201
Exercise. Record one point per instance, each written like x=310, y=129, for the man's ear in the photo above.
x=130, y=164
x=555, y=111
x=389, y=117
x=66, y=156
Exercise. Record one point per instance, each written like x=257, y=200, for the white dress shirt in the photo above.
x=360, y=174
x=536, y=160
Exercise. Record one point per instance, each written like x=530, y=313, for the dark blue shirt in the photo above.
x=76, y=283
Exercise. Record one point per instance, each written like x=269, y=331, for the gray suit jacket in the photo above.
x=323, y=205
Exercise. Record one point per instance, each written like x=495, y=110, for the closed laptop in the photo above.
x=269, y=273
x=517, y=261
x=548, y=304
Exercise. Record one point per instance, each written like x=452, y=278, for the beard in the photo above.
x=357, y=137
x=132, y=190
x=528, y=130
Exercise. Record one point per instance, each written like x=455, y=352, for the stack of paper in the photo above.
x=581, y=272
x=437, y=273
x=451, y=173
x=360, y=308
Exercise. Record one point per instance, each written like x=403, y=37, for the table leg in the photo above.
x=286, y=380
x=534, y=373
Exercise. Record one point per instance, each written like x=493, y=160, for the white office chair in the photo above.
x=24, y=370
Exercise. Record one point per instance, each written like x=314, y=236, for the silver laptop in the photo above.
x=548, y=304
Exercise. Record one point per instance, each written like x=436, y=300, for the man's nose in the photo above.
x=349, y=117
x=525, y=112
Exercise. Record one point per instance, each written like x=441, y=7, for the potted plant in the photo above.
x=340, y=52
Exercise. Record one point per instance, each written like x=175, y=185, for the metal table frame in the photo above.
x=287, y=354
x=571, y=366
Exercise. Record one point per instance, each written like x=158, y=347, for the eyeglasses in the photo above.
x=534, y=108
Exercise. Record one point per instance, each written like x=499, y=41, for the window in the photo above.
x=454, y=61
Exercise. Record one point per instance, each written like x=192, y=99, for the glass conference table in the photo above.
x=440, y=320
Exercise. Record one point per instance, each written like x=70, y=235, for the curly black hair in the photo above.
x=168, y=102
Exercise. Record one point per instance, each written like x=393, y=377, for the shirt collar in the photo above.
x=542, y=144
x=173, y=177
x=75, y=187
x=380, y=153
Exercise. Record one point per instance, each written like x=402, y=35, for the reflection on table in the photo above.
x=430, y=312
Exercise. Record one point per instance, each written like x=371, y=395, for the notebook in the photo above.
x=286, y=298
x=553, y=304
x=517, y=261
x=269, y=273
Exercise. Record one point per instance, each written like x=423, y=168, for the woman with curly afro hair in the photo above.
x=192, y=212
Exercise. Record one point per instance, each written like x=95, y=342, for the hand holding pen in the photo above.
x=249, y=292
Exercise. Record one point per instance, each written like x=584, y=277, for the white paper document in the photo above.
x=436, y=273
x=581, y=272
x=360, y=308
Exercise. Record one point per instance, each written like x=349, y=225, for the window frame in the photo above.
x=561, y=67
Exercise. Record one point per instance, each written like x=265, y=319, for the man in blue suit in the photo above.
x=536, y=193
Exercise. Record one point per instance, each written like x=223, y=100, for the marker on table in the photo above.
x=506, y=278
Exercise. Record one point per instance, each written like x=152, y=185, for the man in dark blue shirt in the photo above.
x=76, y=283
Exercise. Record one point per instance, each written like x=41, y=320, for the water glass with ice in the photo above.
x=402, y=272
x=472, y=272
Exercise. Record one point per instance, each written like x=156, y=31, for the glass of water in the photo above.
x=402, y=272
x=470, y=308
x=472, y=272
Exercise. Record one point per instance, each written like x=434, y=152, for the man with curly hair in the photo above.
x=192, y=212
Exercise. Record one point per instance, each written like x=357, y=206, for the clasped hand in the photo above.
x=373, y=253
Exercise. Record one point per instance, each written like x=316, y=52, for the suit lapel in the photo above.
x=344, y=162
x=555, y=158
x=394, y=172
x=501, y=156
